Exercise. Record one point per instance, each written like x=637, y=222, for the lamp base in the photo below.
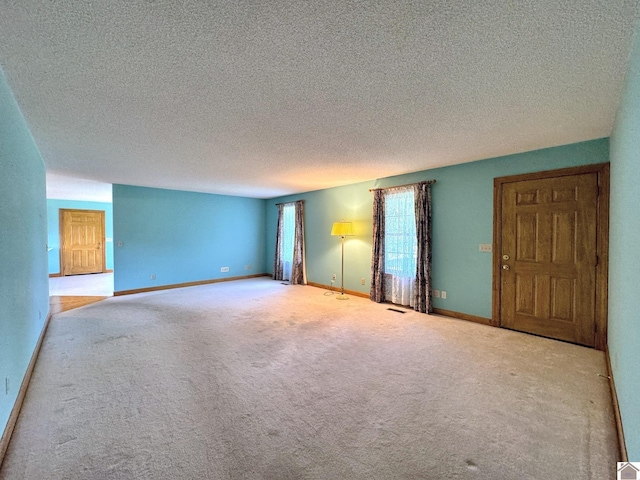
x=342, y=296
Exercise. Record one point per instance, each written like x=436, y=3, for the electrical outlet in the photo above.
x=443, y=294
x=436, y=293
x=362, y=281
x=224, y=269
x=333, y=277
x=119, y=243
x=153, y=276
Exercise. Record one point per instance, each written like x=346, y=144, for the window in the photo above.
x=289, y=262
x=401, y=254
x=400, y=233
x=288, y=238
x=400, y=246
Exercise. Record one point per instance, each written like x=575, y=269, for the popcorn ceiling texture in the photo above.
x=264, y=99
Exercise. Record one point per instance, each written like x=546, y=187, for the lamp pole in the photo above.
x=342, y=273
x=342, y=296
x=342, y=229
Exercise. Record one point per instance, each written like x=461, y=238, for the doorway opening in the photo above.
x=83, y=247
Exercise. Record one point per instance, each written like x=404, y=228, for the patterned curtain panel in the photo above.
x=422, y=302
x=377, y=293
x=278, y=264
x=299, y=269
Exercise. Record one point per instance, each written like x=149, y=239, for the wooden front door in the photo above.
x=548, y=256
x=82, y=242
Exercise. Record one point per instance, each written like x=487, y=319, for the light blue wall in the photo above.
x=624, y=255
x=24, y=290
x=184, y=236
x=53, y=228
x=462, y=219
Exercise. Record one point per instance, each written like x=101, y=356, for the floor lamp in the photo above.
x=342, y=229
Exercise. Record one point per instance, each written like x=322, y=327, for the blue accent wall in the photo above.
x=462, y=219
x=24, y=288
x=624, y=254
x=184, y=236
x=53, y=228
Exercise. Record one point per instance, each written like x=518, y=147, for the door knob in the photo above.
x=505, y=267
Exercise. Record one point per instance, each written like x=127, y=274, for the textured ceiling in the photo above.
x=70, y=188
x=265, y=98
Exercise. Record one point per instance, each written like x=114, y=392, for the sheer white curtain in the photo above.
x=289, y=259
x=400, y=246
x=288, y=237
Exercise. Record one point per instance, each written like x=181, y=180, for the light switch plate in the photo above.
x=485, y=247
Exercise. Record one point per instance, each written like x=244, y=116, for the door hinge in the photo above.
x=597, y=260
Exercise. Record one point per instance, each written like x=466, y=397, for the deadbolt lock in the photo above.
x=505, y=257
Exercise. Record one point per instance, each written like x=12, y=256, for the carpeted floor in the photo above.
x=258, y=380
x=95, y=284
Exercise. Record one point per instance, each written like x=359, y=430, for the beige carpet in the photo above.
x=94, y=284
x=258, y=380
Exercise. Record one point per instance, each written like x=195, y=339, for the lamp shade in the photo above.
x=342, y=229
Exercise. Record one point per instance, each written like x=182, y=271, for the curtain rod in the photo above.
x=287, y=203
x=405, y=185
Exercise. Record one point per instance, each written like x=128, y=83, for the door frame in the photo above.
x=61, y=234
x=602, y=241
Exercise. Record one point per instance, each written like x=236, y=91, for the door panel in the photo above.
x=549, y=240
x=82, y=236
